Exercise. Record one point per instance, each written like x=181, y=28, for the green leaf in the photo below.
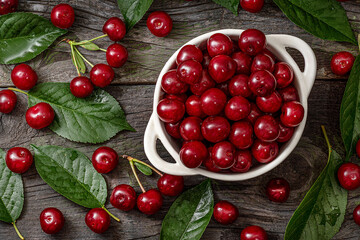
x=11, y=192
x=133, y=10
x=232, y=5
x=350, y=110
x=23, y=36
x=190, y=214
x=325, y=19
x=94, y=119
x=144, y=169
x=70, y=173
x=79, y=62
x=89, y=46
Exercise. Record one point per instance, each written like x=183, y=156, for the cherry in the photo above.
x=253, y=6
x=278, y=190
x=252, y=41
x=215, y=129
x=238, y=86
x=224, y=86
x=243, y=161
x=115, y=28
x=150, y=202
x=171, y=84
x=209, y=163
x=98, y=220
x=205, y=83
x=170, y=185
x=213, y=101
x=206, y=60
x=104, y=159
x=101, y=75
x=254, y=113
x=292, y=113
x=173, y=129
x=237, y=108
x=40, y=115
x=225, y=212
x=190, y=129
x=159, y=23
x=284, y=74
x=262, y=62
x=189, y=52
x=62, y=16
x=358, y=148
x=270, y=54
x=243, y=62
x=8, y=101
x=193, y=106
x=241, y=134
x=18, y=159
x=222, y=155
x=356, y=215
x=189, y=72
x=219, y=44
x=285, y=133
x=289, y=94
x=8, y=6
x=349, y=176
x=24, y=77
x=222, y=68
x=179, y=97
x=123, y=197
x=170, y=110
x=264, y=152
x=342, y=62
x=116, y=55
x=253, y=233
x=269, y=104
x=262, y=83
x=81, y=87
x=193, y=153
x=51, y=220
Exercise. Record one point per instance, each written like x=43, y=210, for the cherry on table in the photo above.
x=8, y=101
x=101, y=75
x=205, y=83
x=262, y=62
x=222, y=68
x=115, y=28
x=225, y=212
x=170, y=111
x=237, y=108
x=189, y=71
x=116, y=55
x=254, y=113
x=238, y=86
x=123, y=197
x=289, y=94
x=170, y=185
x=284, y=74
x=173, y=129
x=219, y=44
x=40, y=115
x=264, y=152
x=189, y=52
x=215, y=129
x=24, y=77
x=193, y=106
x=252, y=41
x=159, y=23
x=62, y=16
x=243, y=161
x=285, y=133
x=222, y=155
x=253, y=6
x=342, y=63
x=150, y=201
x=349, y=176
x=253, y=233
x=171, y=84
x=270, y=103
x=104, y=159
x=51, y=220
x=241, y=134
x=190, y=129
x=18, y=159
x=262, y=83
x=213, y=101
x=278, y=190
x=292, y=113
x=98, y=220
x=81, y=87
x=243, y=62
x=8, y=6
x=193, y=153
x=356, y=215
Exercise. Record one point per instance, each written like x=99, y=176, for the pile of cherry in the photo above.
x=230, y=103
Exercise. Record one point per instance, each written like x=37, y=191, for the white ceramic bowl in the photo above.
x=276, y=43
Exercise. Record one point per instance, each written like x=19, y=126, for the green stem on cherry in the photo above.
x=18, y=90
x=91, y=40
x=17, y=231
x=112, y=215
x=73, y=57
x=78, y=52
x=143, y=163
x=101, y=49
x=136, y=176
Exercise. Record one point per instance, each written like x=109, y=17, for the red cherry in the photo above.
x=215, y=129
x=193, y=153
x=349, y=176
x=270, y=54
x=238, y=86
x=51, y=220
x=159, y=23
x=171, y=84
x=170, y=110
x=150, y=202
x=98, y=220
x=278, y=190
x=81, y=87
x=253, y=233
x=123, y=197
x=219, y=44
x=237, y=108
x=222, y=155
x=243, y=161
x=284, y=74
x=254, y=113
x=206, y=60
x=292, y=113
x=253, y=6
x=241, y=134
x=222, y=68
x=179, y=97
x=18, y=159
x=193, y=106
x=358, y=148
x=24, y=77
x=104, y=159
x=190, y=129
x=101, y=75
x=252, y=41
x=262, y=62
x=356, y=215
x=170, y=185
x=225, y=212
x=115, y=28
x=173, y=129
x=264, y=152
x=224, y=86
x=8, y=6
x=213, y=101
x=342, y=63
x=116, y=55
x=269, y=104
x=209, y=163
x=285, y=133
x=289, y=94
x=262, y=83
x=40, y=115
x=8, y=101
x=62, y=16
x=243, y=62
x=189, y=72
x=189, y=52
x=205, y=83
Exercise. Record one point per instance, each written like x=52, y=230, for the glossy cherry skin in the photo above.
x=179, y=97
x=170, y=111
x=189, y=72
x=8, y=6
x=205, y=83
x=243, y=161
x=237, y=108
x=241, y=134
x=190, y=129
x=254, y=113
x=264, y=152
x=193, y=153
x=222, y=155
x=189, y=52
x=81, y=87
x=18, y=159
x=253, y=233
x=115, y=28
x=278, y=190
x=51, y=220
x=285, y=133
x=8, y=101
x=358, y=148
x=150, y=202
x=222, y=68
x=225, y=212
x=252, y=41
x=289, y=94
x=116, y=55
x=262, y=83
x=98, y=220
x=215, y=129
x=193, y=106
x=243, y=62
x=171, y=84
x=342, y=63
x=262, y=62
x=101, y=75
x=40, y=115
x=209, y=163
x=170, y=185
x=105, y=159
x=63, y=16
x=238, y=86
x=253, y=6
x=292, y=113
x=213, y=101
x=123, y=197
x=219, y=44
x=24, y=77
x=173, y=129
x=284, y=74
x=159, y=23
x=349, y=176
x=269, y=104
x=356, y=215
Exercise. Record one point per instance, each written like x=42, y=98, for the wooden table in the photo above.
x=133, y=88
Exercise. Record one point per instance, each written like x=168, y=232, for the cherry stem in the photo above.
x=112, y=215
x=17, y=231
x=326, y=139
x=136, y=176
x=143, y=163
x=73, y=57
x=78, y=52
x=86, y=41
x=101, y=49
x=18, y=90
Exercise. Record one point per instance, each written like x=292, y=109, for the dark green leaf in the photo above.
x=325, y=19
x=232, y=5
x=70, y=173
x=133, y=10
x=144, y=169
x=350, y=110
x=79, y=62
x=23, y=36
x=89, y=46
x=94, y=119
x=11, y=192
x=190, y=214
